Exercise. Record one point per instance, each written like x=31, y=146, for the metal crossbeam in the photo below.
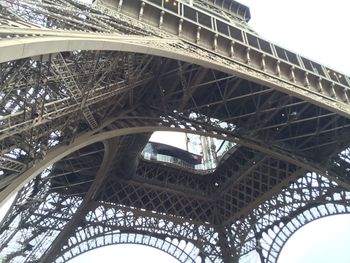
x=75, y=92
x=10, y=164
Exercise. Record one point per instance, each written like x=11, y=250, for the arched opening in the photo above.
x=125, y=253
x=323, y=240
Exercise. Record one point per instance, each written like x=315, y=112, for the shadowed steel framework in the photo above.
x=82, y=88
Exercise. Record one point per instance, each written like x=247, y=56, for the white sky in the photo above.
x=317, y=29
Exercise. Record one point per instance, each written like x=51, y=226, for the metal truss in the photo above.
x=82, y=87
x=267, y=227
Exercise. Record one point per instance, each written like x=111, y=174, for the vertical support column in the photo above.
x=247, y=55
x=258, y=247
x=332, y=91
x=278, y=68
x=263, y=62
x=292, y=74
x=306, y=79
x=319, y=85
x=346, y=98
x=180, y=27
x=141, y=10
x=120, y=5
x=215, y=44
x=232, y=49
x=226, y=250
x=161, y=19
x=198, y=35
x=260, y=252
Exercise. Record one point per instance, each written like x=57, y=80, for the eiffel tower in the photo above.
x=82, y=88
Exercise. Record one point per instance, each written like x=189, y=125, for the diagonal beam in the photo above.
x=18, y=122
x=10, y=164
x=60, y=240
x=67, y=77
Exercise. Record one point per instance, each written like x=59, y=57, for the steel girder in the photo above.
x=83, y=86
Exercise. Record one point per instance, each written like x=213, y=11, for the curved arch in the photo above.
x=119, y=248
x=284, y=233
x=93, y=137
x=174, y=48
x=274, y=221
x=114, y=238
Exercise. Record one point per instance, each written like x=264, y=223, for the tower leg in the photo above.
x=60, y=240
x=228, y=255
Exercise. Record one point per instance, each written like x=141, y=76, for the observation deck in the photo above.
x=154, y=151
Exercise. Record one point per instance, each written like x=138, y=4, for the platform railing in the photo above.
x=227, y=28
x=178, y=162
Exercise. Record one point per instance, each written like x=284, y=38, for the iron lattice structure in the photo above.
x=83, y=86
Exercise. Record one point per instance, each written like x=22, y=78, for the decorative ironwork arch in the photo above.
x=160, y=124
x=267, y=227
x=285, y=232
x=189, y=253
x=169, y=48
